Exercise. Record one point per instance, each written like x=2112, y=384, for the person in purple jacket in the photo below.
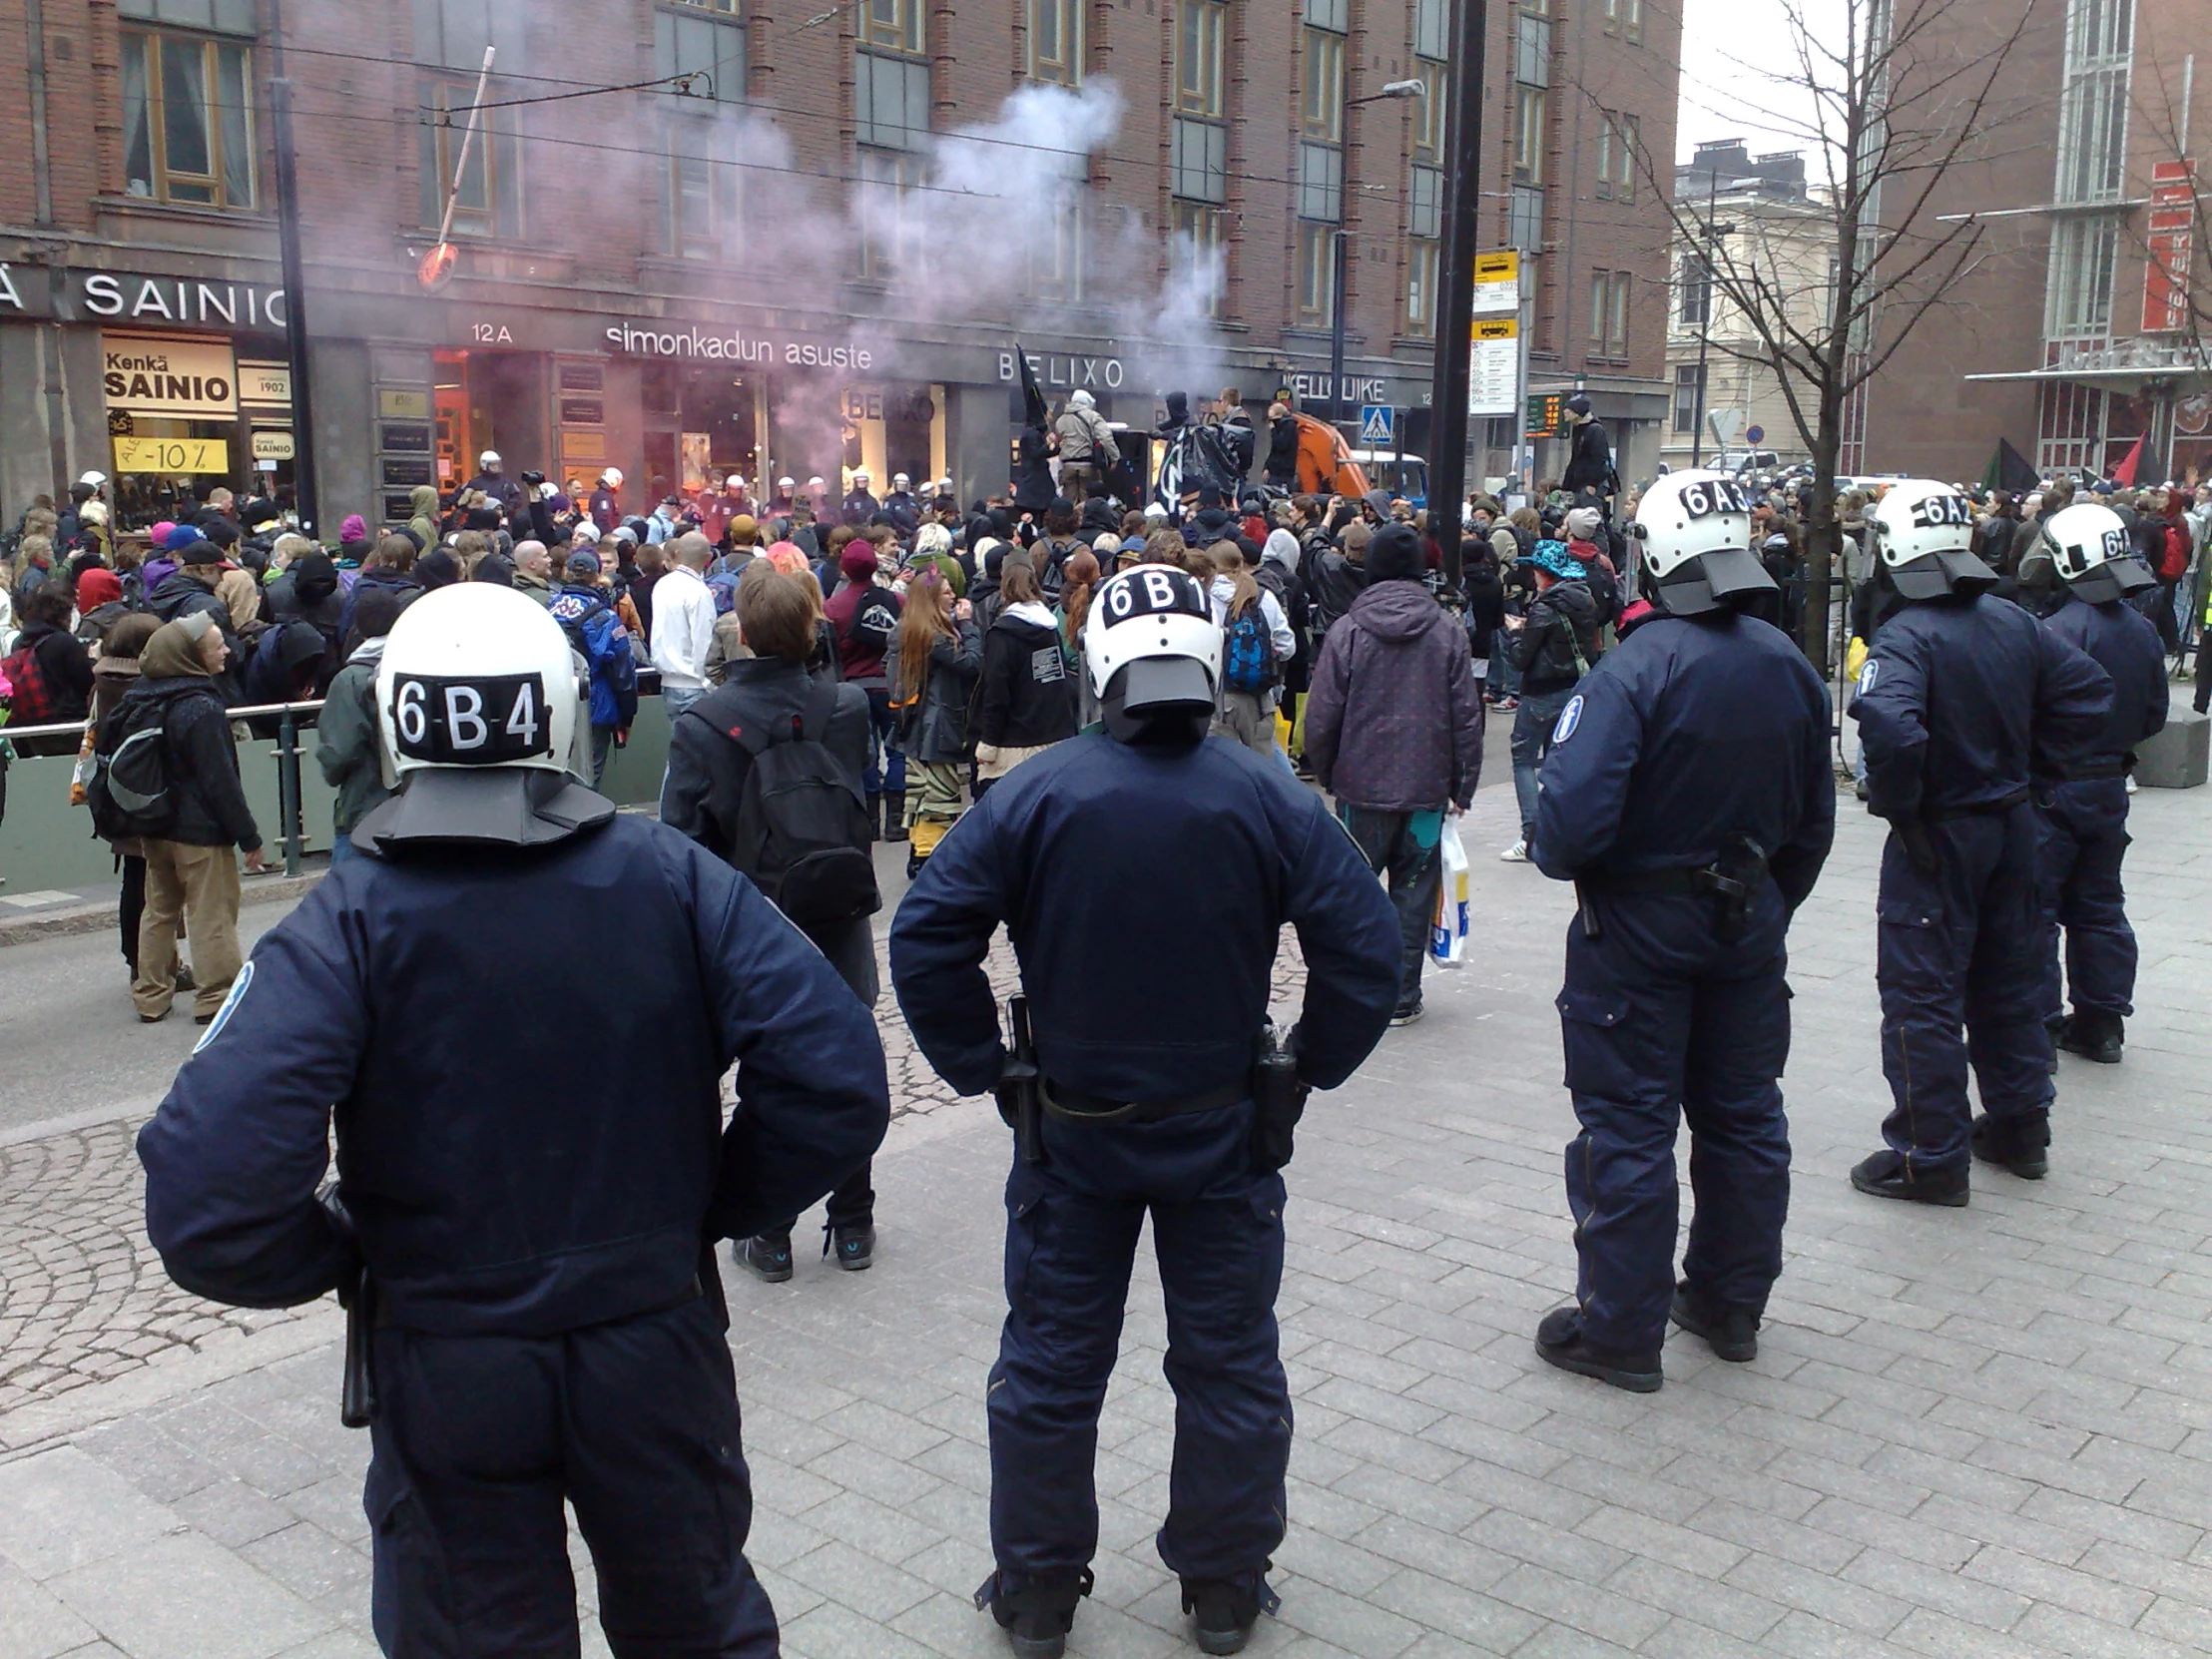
x=1394, y=731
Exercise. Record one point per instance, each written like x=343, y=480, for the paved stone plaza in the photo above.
x=1969, y=1433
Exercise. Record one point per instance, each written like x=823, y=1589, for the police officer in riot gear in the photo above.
x=1688, y=796
x=2083, y=809
x=1963, y=699
x=1144, y=873
x=534, y=1210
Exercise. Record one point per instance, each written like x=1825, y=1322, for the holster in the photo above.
x=1020, y=1087
x=1277, y=1101
x=1735, y=877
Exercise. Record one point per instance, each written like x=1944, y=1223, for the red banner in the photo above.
x=2169, y=247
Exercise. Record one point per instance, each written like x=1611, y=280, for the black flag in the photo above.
x=2008, y=470
x=1034, y=413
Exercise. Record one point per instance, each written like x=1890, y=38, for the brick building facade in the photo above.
x=706, y=236
x=2082, y=327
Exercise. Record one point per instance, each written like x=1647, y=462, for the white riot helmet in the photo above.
x=611, y=479
x=860, y=475
x=1922, y=533
x=1151, y=650
x=1693, y=545
x=901, y=481
x=489, y=461
x=2089, y=545
x=477, y=704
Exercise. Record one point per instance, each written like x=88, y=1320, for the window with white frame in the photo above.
x=2084, y=248
x=1056, y=42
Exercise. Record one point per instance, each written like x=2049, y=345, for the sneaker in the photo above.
x=1559, y=1342
x=769, y=1254
x=1408, y=1013
x=152, y=1019
x=2098, y=1037
x=2020, y=1144
x=1038, y=1616
x=1731, y=1332
x=1517, y=854
x=1506, y=705
x=1222, y=1611
x=1885, y=1175
x=184, y=979
x=853, y=1247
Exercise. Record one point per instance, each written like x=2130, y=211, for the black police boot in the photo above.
x=1038, y=1616
x=1559, y=1342
x=1731, y=1332
x=894, y=816
x=2020, y=1144
x=2093, y=1036
x=769, y=1254
x=1223, y=1610
x=1886, y=1176
x=853, y=1247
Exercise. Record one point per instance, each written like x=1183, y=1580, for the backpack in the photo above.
x=1248, y=651
x=872, y=623
x=802, y=832
x=2175, y=565
x=129, y=790
x=33, y=702
x=616, y=670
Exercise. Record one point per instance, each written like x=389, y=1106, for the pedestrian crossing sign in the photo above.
x=1376, y=422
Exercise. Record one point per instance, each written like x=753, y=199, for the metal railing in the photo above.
x=289, y=802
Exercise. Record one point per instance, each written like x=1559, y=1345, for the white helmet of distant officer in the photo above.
x=1693, y=545
x=1153, y=652
x=2090, y=547
x=1922, y=535
x=477, y=704
x=611, y=479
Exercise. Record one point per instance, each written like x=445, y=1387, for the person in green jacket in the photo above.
x=347, y=745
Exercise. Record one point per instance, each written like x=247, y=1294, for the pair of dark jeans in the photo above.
x=1404, y=847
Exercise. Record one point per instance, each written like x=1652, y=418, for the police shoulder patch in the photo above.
x=1569, y=718
x=230, y=1006
x=1867, y=676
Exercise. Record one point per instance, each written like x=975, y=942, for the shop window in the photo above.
x=1199, y=252
x=1421, y=289
x=893, y=23
x=1056, y=42
x=1317, y=275
x=1321, y=109
x=188, y=123
x=1320, y=183
x=1529, y=106
x=1198, y=162
x=707, y=50
x=1431, y=29
x=488, y=200
x=1689, y=397
x=1200, y=32
x=890, y=101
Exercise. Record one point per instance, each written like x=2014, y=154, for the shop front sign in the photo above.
x=70, y=296
x=735, y=345
x=168, y=377
x=172, y=455
x=269, y=444
x=1065, y=370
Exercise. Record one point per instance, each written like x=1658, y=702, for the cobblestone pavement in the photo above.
x=1981, y=1431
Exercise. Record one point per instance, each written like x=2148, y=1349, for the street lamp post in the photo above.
x=1709, y=233
x=1447, y=415
x=1339, y=259
x=296, y=295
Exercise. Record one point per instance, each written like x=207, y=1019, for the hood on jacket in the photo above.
x=422, y=501
x=1282, y=547
x=1573, y=600
x=97, y=587
x=1031, y=612
x=1397, y=612
x=369, y=652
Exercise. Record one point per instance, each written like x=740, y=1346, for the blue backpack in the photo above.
x=1248, y=651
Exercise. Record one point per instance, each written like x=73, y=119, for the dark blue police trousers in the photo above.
x=478, y=1439
x=1962, y=946
x=2083, y=829
x=1665, y=1021
x=1071, y=1238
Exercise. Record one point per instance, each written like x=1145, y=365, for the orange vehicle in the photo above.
x=1325, y=464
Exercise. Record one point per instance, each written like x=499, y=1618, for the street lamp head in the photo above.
x=1404, y=89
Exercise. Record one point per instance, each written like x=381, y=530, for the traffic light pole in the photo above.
x=295, y=286
x=1447, y=415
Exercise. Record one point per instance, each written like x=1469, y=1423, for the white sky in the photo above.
x=1726, y=43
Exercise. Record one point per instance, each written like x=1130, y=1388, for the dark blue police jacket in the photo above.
x=525, y=1053
x=2122, y=642
x=1145, y=890
x=1961, y=699
x=1692, y=728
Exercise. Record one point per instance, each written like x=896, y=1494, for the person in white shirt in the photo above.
x=683, y=624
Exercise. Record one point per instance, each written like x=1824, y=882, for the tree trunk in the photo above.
x=1824, y=536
